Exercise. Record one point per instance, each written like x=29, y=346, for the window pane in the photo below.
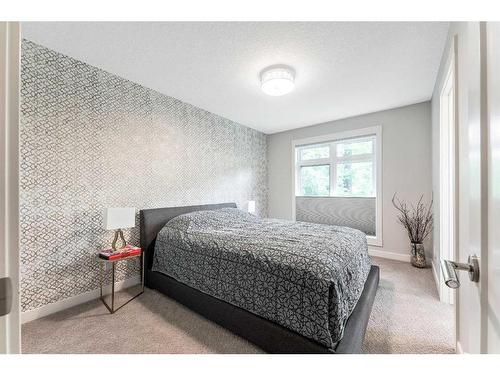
x=312, y=153
x=315, y=180
x=355, y=179
x=354, y=148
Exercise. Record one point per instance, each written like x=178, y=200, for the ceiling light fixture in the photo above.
x=277, y=80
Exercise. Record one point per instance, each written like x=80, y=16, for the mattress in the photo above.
x=306, y=277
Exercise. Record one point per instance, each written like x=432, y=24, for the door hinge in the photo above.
x=5, y=295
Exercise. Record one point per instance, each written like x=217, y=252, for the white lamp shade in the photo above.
x=119, y=218
x=251, y=207
x=277, y=80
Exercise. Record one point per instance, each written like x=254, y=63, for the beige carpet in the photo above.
x=407, y=317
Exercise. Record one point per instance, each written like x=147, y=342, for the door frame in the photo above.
x=10, y=62
x=492, y=78
x=448, y=166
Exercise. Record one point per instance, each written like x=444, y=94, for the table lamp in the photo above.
x=118, y=218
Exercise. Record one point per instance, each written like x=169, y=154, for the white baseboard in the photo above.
x=28, y=316
x=459, y=348
x=388, y=254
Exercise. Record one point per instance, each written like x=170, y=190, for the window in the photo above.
x=340, y=171
x=355, y=179
x=313, y=153
x=315, y=180
x=341, y=168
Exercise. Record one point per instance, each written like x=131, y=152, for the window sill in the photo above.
x=374, y=241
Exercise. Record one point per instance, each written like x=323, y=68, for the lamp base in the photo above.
x=118, y=232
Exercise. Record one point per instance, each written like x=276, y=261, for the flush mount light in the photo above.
x=277, y=80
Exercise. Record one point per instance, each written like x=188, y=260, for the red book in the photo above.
x=124, y=252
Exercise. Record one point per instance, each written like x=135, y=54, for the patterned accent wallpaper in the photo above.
x=358, y=213
x=90, y=140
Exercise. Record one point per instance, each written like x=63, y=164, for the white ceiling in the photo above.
x=342, y=69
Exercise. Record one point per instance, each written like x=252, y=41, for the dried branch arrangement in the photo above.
x=417, y=220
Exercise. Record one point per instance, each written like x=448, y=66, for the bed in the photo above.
x=232, y=238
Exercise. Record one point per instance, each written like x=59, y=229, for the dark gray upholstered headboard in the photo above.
x=153, y=220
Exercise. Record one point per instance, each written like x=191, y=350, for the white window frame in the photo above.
x=333, y=161
x=376, y=156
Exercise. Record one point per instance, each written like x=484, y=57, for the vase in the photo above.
x=417, y=255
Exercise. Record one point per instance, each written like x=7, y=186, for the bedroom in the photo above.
x=249, y=187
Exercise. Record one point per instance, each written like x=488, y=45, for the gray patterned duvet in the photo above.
x=306, y=277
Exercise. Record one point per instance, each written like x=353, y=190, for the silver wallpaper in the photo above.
x=91, y=140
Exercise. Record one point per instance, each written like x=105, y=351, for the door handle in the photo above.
x=449, y=269
x=5, y=296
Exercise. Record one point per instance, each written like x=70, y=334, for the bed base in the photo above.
x=269, y=336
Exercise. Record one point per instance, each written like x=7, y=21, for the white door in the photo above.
x=493, y=270
x=471, y=162
x=478, y=304
x=9, y=187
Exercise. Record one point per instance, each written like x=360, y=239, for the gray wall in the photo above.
x=358, y=213
x=91, y=140
x=406, y=163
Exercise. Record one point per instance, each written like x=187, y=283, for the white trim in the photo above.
x=448, y=171
x=10, y=53
x=356, y=133
x=28, y=316
x=459, y=348
x=336, y=136
x=388, y=254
